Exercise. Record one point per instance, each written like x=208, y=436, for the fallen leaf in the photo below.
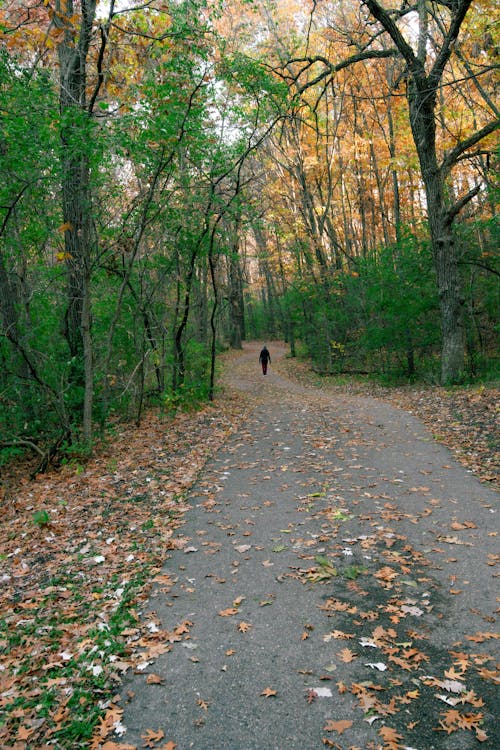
x=456, y=526
x=269, y=692
x=390, y=737
x=242, y=548
x=151, y=738
x=453, y=540
x=346, y=655
x=154, y=679
x=244, y=627
x=228, y=612
x=337, y=726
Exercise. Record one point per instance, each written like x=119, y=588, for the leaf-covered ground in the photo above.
x=465, y=419
x=81, y=546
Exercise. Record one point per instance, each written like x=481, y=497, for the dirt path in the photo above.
x=334, y=586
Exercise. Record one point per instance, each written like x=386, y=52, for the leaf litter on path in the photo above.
x=71, y=587
x=372, y=605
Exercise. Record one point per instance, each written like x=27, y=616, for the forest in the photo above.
x=178, y=176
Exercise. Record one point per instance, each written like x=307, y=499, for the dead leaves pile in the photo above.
x=80, y=548
x=383, y=624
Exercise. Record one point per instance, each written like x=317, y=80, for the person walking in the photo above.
x=264, y=358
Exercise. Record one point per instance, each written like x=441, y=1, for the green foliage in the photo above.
x=379, y=316
x=41, y=518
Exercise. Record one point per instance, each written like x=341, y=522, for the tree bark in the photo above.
x=421, y=94
x=236, y=306
x=76, y=204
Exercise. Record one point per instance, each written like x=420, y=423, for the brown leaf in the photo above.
x=244, y=627
x=269, y=692
x=337, y=726
x=228, y=612
x=151, y=737
x=66, y=227
x=390, y=737
x=154, y=679
x=24, y=733
x=346, y=655
x=457, y=526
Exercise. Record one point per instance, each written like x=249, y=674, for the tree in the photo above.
x=425, y=48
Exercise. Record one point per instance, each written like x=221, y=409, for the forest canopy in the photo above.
x=177, y=176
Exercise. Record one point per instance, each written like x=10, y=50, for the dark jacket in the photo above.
x=264, y=355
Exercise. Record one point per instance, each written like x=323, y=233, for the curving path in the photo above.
x=333, y=568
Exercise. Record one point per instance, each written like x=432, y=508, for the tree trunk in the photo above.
x=236, y=308
x=451, y=299
x=76, y=205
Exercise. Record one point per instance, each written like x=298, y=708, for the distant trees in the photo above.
x=367, y=170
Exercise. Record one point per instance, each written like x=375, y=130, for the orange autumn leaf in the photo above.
x=66, y=227
x=24, y=733
x=346, y=655
x=228, y=612
x=337, y=726
x=481, y=637
x=269, y=692
x=152, y=737
x=154, y=679
x=244, y=627
x=391, y=738
x=340, y=635
x=183, y=627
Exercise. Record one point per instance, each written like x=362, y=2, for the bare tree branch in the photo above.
x=330, y=68
x=460, y=11
x=452, y=157
x=384, y=18
x=457, y=207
